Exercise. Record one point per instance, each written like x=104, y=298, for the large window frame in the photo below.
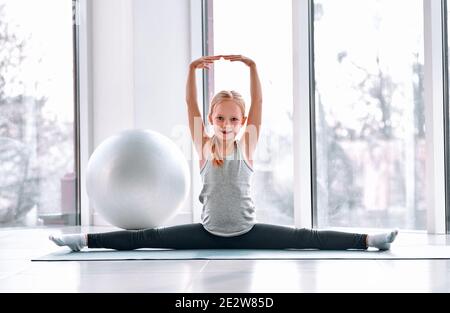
x=302, y=100
x=84, y=112
x=435, y=90
x=436, y=102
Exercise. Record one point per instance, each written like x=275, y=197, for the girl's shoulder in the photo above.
x=243, y=146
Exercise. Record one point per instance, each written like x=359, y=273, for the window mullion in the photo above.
x=303, y=94
x=434, y=112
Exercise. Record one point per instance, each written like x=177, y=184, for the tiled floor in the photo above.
x=19, y=274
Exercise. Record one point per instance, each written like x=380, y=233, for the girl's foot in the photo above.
x=382, y=241
x=76, y=242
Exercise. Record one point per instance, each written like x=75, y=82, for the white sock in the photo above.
x=382, y=241
x=76, y=242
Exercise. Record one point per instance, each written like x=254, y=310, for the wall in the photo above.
x=161, y=58
x=140, y=55
x=112, y=68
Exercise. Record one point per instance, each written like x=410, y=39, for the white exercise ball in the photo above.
x=137, y=179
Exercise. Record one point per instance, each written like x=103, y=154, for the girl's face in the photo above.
x=227, y=119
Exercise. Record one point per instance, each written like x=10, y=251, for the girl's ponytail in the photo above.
x=216, y=160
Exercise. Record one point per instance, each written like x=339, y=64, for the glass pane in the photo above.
x=37, y=179
x=238, y=30
x=369, y=106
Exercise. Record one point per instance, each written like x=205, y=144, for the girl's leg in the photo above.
x=188, y=236
x=267, y=236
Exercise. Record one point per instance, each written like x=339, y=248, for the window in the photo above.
x=37, y=176
x=235, y=29
x=369, y=114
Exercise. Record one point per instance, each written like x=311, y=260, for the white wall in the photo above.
x=161, y=56
x=140, y=55
x=112, y=68
x=161, y=59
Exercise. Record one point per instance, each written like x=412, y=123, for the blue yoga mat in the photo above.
x=397, y=253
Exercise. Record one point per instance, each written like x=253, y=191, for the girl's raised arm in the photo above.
x=196, y=125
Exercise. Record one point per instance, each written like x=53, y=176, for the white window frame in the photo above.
x=196, y=39
x=434, y=115
x=84, y=20
x=302, y=149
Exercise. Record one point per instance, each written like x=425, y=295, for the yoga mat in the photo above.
x=397, y=253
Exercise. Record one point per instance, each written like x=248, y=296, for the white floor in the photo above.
x=19, y=274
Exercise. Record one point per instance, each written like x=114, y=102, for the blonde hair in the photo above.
x=218, y=98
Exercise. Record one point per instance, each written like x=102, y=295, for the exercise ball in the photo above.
x=137, y=179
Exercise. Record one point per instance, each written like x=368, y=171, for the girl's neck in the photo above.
x=225, y=146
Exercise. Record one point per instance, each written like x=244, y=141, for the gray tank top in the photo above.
x=228, y=209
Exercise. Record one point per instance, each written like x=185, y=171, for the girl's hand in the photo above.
x=233, y=58
x=205, y=62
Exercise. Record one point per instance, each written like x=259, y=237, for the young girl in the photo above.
x=226, y=168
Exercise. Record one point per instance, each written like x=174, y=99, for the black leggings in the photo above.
x=261, y=236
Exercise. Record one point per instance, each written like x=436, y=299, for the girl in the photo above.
x=226, y=168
